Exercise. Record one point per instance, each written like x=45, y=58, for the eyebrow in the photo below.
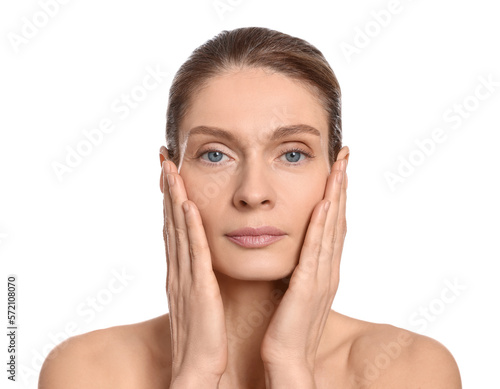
x=279, y=133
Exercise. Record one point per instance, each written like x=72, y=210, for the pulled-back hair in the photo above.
x=255, y=47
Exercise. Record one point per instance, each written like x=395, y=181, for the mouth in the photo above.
x=249, y=237
x=255, y=241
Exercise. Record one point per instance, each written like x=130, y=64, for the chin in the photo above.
x=255, y=266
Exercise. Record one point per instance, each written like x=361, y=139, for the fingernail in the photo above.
x=326, y=206
x=166, y=167
x=343, y=164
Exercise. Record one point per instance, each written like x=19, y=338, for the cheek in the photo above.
x=206, y=194
x=303, y=196
x=196, y=191
x=306, y=189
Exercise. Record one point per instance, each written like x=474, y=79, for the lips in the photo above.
x=249, y=237
x=249, y=231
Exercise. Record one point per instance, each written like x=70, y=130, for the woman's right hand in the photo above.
x=197, y=320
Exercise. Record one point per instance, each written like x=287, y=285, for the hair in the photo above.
x=255, y=47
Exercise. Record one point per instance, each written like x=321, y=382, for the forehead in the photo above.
x=252, y=103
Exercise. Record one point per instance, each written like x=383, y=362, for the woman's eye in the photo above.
x=293, y=156
x=214, y=156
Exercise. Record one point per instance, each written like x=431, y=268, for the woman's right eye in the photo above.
x=214, y=156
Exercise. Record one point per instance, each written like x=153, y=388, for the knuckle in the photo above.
x=198, y=249
x=314, y=243
x=342, y=227
x=328, y=248
x=180, y=233
x=307, y=266
x=168, y=229
x=313, y=247
x=316, y=247
x=167, y=237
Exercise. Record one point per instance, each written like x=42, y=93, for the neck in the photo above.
x=248, y=307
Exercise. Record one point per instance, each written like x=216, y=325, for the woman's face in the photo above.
x=249, y=178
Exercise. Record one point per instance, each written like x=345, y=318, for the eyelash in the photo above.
x=293, y=149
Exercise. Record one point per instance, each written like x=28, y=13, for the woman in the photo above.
x=254, y=189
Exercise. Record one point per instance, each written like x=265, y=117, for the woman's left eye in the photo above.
x=295, y=155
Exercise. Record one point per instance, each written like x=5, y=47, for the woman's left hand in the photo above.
x=295, y=330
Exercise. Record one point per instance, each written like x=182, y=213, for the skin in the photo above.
x=219, y=334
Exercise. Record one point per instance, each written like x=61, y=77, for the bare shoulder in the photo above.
x=385, y=356
x=127, y=356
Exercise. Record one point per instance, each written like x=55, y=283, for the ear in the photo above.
x=163, y=157
x=344, y=154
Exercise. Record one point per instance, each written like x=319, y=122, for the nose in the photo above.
x=254, y=188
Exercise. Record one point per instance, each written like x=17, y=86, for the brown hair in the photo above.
x=255, y=47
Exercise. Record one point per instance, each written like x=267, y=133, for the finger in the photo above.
x=178, y=196
x=327, y=278
x=312, y=246
x=169, y=229
x=332, y=193
x=316, y=242
x=199, y=250
x=169, y=236
x=340, y=234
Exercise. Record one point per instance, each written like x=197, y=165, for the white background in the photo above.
x=66, y=239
